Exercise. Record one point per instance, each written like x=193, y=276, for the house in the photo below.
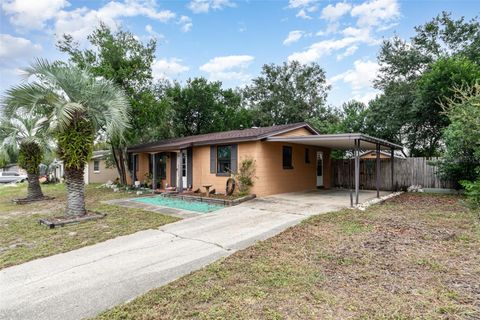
x=289, y=158
x=97, y=170
x=371, y=154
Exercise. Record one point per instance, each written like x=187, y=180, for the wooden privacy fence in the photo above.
x=407, y=172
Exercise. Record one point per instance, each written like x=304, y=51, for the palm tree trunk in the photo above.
x=75, y=192
x=33, y=191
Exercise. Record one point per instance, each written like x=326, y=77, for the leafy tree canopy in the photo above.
x=287, y=93
x=417, y=75
x=203, y=107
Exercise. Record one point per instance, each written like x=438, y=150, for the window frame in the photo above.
x=218, y=160
x=162, y=166
x=285, y=165
x=98, y=167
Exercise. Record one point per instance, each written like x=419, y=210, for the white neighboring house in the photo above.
x=96, y=170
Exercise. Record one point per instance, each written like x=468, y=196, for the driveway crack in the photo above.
x=195, y=239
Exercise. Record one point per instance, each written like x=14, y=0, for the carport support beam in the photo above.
x=377, y=165
x=357, y=169
x=179, y=171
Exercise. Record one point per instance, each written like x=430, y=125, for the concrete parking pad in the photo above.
x=84, y=282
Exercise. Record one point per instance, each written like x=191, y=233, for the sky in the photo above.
x=227, y=40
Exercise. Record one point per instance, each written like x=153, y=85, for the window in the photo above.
x=287, y=157
x=224, y=154
x=307, y=155
x=96, y=166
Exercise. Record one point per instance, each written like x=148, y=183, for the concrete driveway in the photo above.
x=84, y=282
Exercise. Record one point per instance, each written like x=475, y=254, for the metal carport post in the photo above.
x=357, y=169
x=377, y=165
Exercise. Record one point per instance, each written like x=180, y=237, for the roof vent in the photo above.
x=254, y=127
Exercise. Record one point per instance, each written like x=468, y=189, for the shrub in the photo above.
x=245, y=175
x=462, y=137
x=472, y=191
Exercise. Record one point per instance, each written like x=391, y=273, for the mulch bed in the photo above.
x=64, y=220
x=27, y=200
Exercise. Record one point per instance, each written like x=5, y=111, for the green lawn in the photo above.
x=415, y=256
x=23, y=239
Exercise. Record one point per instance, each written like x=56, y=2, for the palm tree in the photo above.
x=23, y=133
x=77, y=107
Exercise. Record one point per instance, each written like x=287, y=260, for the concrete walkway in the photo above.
x=84, y=282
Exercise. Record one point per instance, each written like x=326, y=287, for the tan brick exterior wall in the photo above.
x=271, y=177
x=104, y=173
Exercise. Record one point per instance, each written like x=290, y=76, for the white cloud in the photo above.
x=153, y=33
x=27, y=14
x=204, y=6
x=303, y=15
x=365, y=97
x=333, y=13
x=293, y=36
x=300, y=3
x=167, y=68
x=360, y=77
x=304, y=7
x=350, y=50
x=375, y=12
x=13, y=47
x=185, y=23
x=317, y=50
x=322, y=48
x=80, y=22
x=228, y=67
x=14, y=55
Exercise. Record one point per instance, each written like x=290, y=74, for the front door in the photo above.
x=319, y=169
x=184, y=168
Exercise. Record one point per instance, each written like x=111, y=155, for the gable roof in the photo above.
x=100, y=154
x=250, y=134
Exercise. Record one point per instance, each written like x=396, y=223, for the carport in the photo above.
x=354, y=142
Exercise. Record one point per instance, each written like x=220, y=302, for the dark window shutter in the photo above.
x=233, y=158
x=173, y=169
x=213, y=159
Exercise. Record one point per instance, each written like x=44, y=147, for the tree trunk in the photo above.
x=75, y=182
x=120, y=163
x=34, y=191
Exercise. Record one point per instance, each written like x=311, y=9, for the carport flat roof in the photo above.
x=343, y=141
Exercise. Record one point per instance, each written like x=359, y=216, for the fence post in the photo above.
x=392, y=158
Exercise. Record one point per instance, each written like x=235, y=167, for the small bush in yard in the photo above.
x=246, y=175
x=472, y=191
